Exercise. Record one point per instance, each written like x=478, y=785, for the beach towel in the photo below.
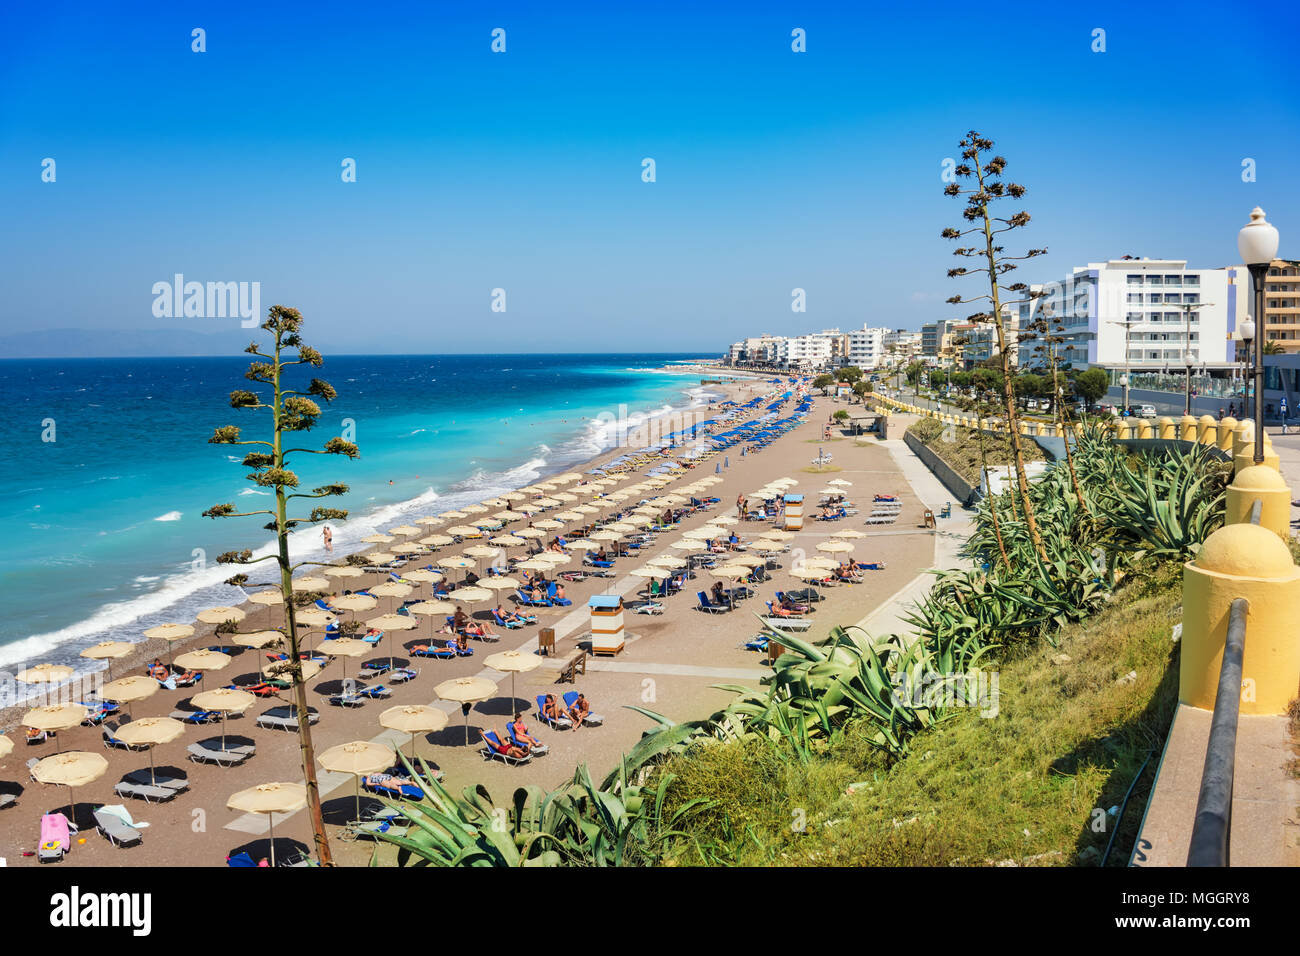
x=123, y=814
x=54, y=834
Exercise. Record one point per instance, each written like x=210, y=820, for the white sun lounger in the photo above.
x=795, y=625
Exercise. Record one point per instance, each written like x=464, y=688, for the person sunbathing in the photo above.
x=559, y=592
x=719, y=593
x=459, y=620
x=158, y=670
x=551, y=709
x=579, y=711
x=462, y=640
x=519, y=730
x=536, y=594
x=508, y=749
x=510, y=617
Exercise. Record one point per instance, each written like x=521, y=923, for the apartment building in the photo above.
x=1129, y=313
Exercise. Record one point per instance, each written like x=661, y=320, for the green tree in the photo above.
x=292, y=410
x=862, y=390
x=985, y=187
x=824, y=382
x=1091, y=384
x=850, y=374
x=1272, y=348
x=1029, y=385
x=841, y=416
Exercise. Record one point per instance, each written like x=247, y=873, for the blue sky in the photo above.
x=522, y=170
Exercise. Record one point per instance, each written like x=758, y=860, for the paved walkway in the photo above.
x=948, y=538
x=1266, y=798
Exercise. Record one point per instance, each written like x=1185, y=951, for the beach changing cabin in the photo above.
x=793, y=512
x=606, y=623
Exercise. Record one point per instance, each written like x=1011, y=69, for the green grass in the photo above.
x=960, y=448
x=1022, y=786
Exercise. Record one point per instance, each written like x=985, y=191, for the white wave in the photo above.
x=169, y=516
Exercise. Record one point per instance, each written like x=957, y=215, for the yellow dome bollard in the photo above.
x=1246, y=459
x=1207, y=430
x=1242, y=561
x=1242, y=436
x=1146, y=428
x=1166, y=426
x=1227, y=434
x=1263, y=483
x=1187, y=428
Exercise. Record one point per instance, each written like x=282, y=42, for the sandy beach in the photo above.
x=669, y=665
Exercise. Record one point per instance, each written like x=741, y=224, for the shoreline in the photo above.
x=90, y=674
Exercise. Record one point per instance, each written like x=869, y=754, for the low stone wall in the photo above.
x=965, y=493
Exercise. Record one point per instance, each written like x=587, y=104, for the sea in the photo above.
x=107, y=469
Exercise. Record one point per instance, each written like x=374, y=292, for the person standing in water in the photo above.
x=328, y=536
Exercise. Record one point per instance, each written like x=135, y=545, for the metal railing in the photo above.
x=1213, y=823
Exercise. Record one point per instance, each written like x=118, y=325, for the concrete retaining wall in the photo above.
x=965, y=493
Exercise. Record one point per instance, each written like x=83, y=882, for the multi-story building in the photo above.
x=755, y=350
x=1128, y=314
x=932, y=334
x=901, y=344
x=982, y=339
x=811, y=351
x=1282, y=304
x=865, y=347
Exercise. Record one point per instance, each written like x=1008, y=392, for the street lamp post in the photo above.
x=1188, y=308
x=1257, y=242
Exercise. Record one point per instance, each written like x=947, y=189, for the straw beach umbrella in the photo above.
x=171, y=633
x=220, y=615
x=343, y=571
x=354, y=602
x=55, y=717
x=6, y=747
x=270, y=798
x=513, y=662
x=834, y=547
x=45, y=674
x=256, y=639
x=848, y=533
x=204, y=660
x=311, y=583
x=432, y=609
x=357, y=757
x=393, y=589
x=378, y=538
x=126, y=690
x=72, y=768
x=225, y=700
x=150, y=732
x=108, y=651
x=315, y=617
x=387, y=623
x=423, y=576
x=414, y=719
x=466, y=691
x=344, y=647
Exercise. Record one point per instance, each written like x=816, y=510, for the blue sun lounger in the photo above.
x=564, y=723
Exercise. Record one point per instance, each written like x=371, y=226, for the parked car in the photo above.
x=1146, y=411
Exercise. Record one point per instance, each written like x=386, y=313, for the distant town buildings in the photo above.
x=1126, y=315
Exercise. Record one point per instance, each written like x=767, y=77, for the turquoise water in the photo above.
x=104, y=534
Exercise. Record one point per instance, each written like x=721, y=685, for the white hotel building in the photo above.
x=1126, y=313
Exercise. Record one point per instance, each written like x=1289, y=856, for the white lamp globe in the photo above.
x=1257, y=241
x=1247, y=329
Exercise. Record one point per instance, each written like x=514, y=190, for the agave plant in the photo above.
x=577, y=824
